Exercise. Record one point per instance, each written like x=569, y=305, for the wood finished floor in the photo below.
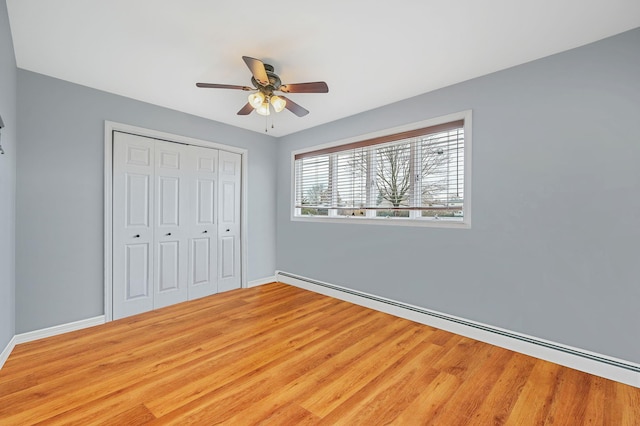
x=280, y=355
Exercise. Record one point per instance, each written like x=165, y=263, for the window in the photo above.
x=409, y=176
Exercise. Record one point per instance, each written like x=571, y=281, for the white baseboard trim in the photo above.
x=261, y=281
x=47, y=332
x=58, y=329
x=4, y=355
x=579, y=359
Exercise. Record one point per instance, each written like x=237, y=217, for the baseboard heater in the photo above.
x=477, y=326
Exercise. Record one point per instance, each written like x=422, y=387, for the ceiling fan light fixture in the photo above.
x=278, y=103
x=265, y=82
x=256, y=99
x=263, y=109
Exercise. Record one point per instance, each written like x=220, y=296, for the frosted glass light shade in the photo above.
x=256, y=99
x=278, y=103
x=263, y=109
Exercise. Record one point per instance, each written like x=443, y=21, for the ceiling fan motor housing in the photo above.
x=274, y=81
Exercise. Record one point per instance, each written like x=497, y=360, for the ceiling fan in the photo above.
x=265, y=82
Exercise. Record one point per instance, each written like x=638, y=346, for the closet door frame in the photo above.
x=109, y=128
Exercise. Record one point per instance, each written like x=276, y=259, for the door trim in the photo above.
x=109, y=128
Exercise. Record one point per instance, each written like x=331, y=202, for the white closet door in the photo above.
x=229, y=221
x=203, y=216
x=176, y=223
x=133, y=224
x=171, y=227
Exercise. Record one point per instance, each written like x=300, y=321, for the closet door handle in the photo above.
x=136, y=236
x=204, y=232
x=168, y=234
x=227, y=230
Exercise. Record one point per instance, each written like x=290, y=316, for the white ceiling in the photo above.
x=369, y=53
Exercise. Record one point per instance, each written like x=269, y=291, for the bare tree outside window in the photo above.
x=394, y=165
x=394, y=170
x=393, y=174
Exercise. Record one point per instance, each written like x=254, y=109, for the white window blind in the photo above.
x=417, y=174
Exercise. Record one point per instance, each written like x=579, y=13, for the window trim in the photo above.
x=382, y=135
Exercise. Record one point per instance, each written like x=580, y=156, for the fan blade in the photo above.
x=294, y=107
x=315, y=87
x=257, y=69
x=246, y=110
x=223, y=86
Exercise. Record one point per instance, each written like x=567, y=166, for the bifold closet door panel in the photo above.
x=133, y=224
x=229, y=221
x=171, y=232
x=203, y=217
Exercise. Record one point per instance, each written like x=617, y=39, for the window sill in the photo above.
x=393, y=221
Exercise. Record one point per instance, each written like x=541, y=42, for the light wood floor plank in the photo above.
x=475, y=386
x=534, y=402
x=570, y=397
x=279, y=355
x=500, y=400
x=430, y=401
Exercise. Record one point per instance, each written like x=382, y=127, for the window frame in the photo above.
x=413, y=220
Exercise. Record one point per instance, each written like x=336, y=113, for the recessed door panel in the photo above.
x=168, y=266
x=169, y=201
x=228, y=201
x=169, y=159
x=200, y=266
x=137, y=200
x=137, y=271
x=207, y=163
x=227, y=257
x=138, y=155
x=206, y=201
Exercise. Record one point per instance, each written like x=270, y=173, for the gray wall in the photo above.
x=553, y=248
x=59, y=229
x=8, y=84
